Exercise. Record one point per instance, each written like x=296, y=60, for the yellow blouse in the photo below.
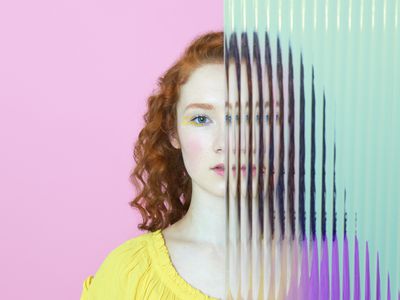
x=139, y=269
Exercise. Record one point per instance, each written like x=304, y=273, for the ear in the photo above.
x=174, y=140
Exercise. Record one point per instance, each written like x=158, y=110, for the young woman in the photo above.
x=179, y=175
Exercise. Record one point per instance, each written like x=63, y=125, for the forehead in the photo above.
x=205, y=84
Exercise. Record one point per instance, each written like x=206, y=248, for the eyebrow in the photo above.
x=227, y=104
x=200, y=105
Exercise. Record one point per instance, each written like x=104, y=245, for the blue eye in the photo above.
x=201, y=119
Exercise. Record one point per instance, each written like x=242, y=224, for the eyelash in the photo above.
x=199, y=116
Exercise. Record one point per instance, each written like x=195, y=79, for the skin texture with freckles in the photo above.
x=197, y=241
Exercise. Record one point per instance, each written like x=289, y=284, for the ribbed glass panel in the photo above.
x=313, y=145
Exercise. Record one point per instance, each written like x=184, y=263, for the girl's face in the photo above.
x=201, y=125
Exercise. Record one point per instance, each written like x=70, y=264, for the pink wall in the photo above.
x=74, y=77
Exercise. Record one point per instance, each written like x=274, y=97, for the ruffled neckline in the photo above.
x=165, y=262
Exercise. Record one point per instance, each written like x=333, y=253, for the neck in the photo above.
x=204, y=221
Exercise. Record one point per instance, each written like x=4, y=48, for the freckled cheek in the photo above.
x=192, y=146
x=193, y=141
x=194, y=151
x=196, y=144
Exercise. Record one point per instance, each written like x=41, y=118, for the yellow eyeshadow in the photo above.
x=188, y=121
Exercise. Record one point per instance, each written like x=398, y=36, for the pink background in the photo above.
x=74, y=78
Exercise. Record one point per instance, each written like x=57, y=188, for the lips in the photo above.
x=219, y=166
x=219, y=169
x=244, y=169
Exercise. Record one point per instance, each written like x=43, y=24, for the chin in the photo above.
x=218, y=194
x=214, y=188
x=218, y=190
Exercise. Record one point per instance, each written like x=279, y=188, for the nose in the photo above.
x=219, y=142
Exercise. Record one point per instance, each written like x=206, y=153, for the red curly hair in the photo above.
x=161, y=180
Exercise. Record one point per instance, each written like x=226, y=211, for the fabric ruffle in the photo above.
x=140, y=268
